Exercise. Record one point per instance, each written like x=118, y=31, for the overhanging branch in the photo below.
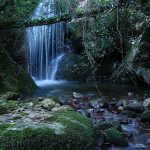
x=52, y=20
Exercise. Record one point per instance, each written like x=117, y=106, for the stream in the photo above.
x=80, y=95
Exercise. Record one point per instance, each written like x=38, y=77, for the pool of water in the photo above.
x=107, y=89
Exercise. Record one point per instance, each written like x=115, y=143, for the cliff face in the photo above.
x=13, y=77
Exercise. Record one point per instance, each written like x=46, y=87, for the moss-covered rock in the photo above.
x=48, y=103
x=62, y=131
x=13, y=77
x=145, y=116
x=8, y=106
x=129, y=113
x=116, y=137
x=9, y=96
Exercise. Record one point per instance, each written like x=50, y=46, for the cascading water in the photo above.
x=45, y=44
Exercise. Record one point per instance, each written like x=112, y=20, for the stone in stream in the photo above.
x=146, y=103
x=48, y=104
x=115, y=137
x=120, y=108
x=135, y=106
x=99, y=103
x=145, y=116
x=105, y=125
x=128, y=113
x=78, y=95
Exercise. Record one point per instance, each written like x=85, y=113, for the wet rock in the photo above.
x=128, y=113
x=63, y=108
x=99, y=103
x=89, y=96
x=48, y=104
x=105, y=125
x=95, y=104
x=148, y=141
x=119, y=103
x=84, y=112
x=40, y=98
x=120, y=108
x=135, y=106
x=129, y=129
x=140, y=146
x=113, y=103
x=84, y=105
x=104, y=104
x=124, y=103
x=63, y=101
x=115, y=137
x=78, y=95
x=146, y=103
x=90, y=111
x=130, y=94
x=145, y=116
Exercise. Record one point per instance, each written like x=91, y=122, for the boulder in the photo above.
x=128, y=113
x=105, y=125
x=135, y=106
x=68, y=130
x=115, y=137
x=146, y=103
x=78, y=95
x=145, y=116
x=48, y=104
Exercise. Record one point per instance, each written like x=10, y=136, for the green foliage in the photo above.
x=17, y=10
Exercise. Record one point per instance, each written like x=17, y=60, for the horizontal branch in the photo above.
x=51, y=20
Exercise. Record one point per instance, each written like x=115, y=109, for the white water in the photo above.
x=45, y=44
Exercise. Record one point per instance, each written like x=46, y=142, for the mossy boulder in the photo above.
x=135, y=107
x=13, y=77
x=116, y=137
x=129, y=113
x=8, y=106
x=145, y=116
x=48, y=103
x=9, y=96
x=63, y=131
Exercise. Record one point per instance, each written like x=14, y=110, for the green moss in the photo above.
x=78, y=130
x=55, y=99
x=3, y=127
x=24, y=114
x=78, y=134
x=9, y=95
x=8, y=107
x=116, y=137
x=16, y=117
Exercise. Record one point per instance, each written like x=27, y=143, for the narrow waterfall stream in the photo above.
x=45, y=45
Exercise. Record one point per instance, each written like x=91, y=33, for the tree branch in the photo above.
x=52, y=20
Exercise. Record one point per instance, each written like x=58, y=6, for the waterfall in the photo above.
x=45, y=44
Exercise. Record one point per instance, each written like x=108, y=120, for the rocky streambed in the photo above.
x=75, y=121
